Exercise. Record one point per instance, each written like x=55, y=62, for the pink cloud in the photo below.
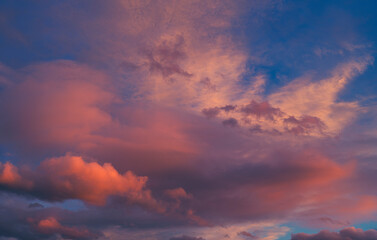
x=10, y=177
x=349, y=233
x=165, y=65
x=304, y=125
x=50, y=226
x=53, y=104
x=261, y=110
x=177, y=193
x=70, y=177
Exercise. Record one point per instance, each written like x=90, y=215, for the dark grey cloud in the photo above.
x=185, y=237
x=230, y=122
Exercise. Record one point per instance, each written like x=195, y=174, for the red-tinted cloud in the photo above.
x=350, y=233
x=70, y=177
x=261, y=110
x=185, y=237
x=304, y=125
x=133, y=99
x=50, y=226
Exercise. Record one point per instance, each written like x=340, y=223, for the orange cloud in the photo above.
x=91, y=182
x=177, y=193
x=54, y=104
x=70, y=177
x=320, y=98
x=344, y=234
x=50, y=226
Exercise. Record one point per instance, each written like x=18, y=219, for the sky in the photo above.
x=188, y=120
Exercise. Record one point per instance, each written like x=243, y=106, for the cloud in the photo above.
x=63, y=106
x=302, y=107
x=184, y=237
x=349, y=233
x=304, y=125
x=135, y=99
x=10, y=177
x=35, y=205
x=70, y=177
x=273, y=120
x=292, y=184
x=263, y=109
x=209, y=162
x=231, y=122
x=319, y=98
x=50, y=226
x=247, y=235
x=211, y=112
x=177, y=193
x=165, y=58
x=52, y=104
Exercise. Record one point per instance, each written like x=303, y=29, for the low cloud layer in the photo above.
x=350, y=233
x=70, y=177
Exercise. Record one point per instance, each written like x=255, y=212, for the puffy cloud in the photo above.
x=263, y=109
x=304, y=125
x=53, y=103
x=61, y=106
x=265, y=230
x=184, y=237
x=273, y=120
x=247, y=235
x=231, y=122
x=211, y=112
x=70, y=177
x=10, y=177
x=50, y=226
x=177, y=193
x=35, y=205
x=349, y=233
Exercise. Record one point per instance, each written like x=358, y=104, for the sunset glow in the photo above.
x=188, y=120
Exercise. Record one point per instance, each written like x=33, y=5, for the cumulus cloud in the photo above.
x=247, y=235
x=349, y=233
x=263, y=109
x=10, y=177
x=231, y=122
x=50, y=226
x=63, y=106
x=184, y=237
x=273, y=120
x=177, y=193
x=70, y=177
x=304, y=125
x=52, y=104
x=35, y=205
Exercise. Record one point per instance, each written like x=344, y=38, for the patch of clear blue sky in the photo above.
x=31, y=33
x=301, y=37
